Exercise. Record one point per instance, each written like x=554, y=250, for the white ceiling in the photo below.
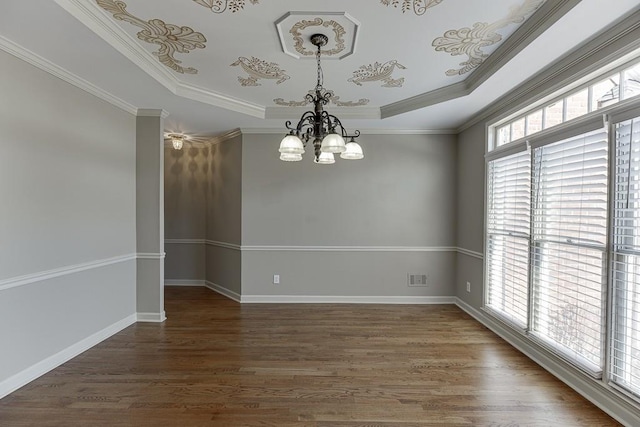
x=396, y=64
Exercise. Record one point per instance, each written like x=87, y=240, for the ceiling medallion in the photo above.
x=220, y=6
x=419, y=7
x=171, y=38
x=378, y=72
x=319, y=126
x=471, y=41
x=338, y=31
x=334, y=99
x=259, y=69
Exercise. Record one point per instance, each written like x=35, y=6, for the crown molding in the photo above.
x=59, y=72
x=225, y=136
x=150, y=112
x=98, y=21
x=210, y=97
x=540, y=21
x=447, y=93
x=610, y=48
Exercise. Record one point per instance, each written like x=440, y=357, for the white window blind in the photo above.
x=625, y=345
x=569, y=244
x=508, y=219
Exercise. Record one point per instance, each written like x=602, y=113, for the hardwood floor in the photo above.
x=217, y=363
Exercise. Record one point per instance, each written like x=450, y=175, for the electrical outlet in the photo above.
x=468, y=286
x=276, y=279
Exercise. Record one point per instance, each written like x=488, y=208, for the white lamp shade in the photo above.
x=291, y=144
x=290, y=157
x=353, y=151
x=332, y=143
x=325, y=159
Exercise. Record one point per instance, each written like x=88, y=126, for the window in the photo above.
x=601, y=93
x=569, y=246
x=625, y=354
x=562, y=257
x=508, y=236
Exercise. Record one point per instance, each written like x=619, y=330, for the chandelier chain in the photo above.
x=320, y=76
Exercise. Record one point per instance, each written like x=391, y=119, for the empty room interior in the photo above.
x=320, y=213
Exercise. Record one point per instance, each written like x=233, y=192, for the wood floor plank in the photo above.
x=218, y=363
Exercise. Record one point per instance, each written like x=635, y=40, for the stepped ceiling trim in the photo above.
x=102, y=23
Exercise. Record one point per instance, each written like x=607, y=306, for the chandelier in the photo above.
x=324, y=129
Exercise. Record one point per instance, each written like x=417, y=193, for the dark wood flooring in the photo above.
x=215, y=362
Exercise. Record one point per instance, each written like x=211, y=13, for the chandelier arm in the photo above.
x=316, y=125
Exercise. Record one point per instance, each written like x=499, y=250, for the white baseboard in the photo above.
x=151, y=317
x=223, y=291
x=24, y=377
x=329, y=299
x=597, y=392
x=184, y=283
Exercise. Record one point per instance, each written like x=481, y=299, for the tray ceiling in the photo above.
x=253, y=58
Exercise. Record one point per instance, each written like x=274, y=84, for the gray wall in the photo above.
x=68, y=199
x=470, y=213
x=401, y=195
x=224, y=207
x=203, y=205
x=186, y=184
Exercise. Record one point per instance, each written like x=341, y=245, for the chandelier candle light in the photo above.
x=325, y=129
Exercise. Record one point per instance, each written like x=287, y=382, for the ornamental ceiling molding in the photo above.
x=171, y=38
x=259, y=69
x=471, y=41
x=221, y=6
x=333, y=98
x=97, y=20
x=378, y=72
x=338, y=34
x=419, y=7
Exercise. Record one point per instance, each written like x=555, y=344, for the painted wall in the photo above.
x=224, y=207
x=402, y=195
x=186, y=186
x=67, y=217
x=470, y=214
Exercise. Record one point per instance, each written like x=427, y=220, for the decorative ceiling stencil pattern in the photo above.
x=220, y=6
x=471, y=41
x=419, y=7
x=259, y=69
x=385, y=58
x=171, y=38
x=333, y=98
x=378, y=72
x=338, y=34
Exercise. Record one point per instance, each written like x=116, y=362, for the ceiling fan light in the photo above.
x=353, y=151
x=290, y=157
x=291, y=144
x=333, y=143
x=325, y=159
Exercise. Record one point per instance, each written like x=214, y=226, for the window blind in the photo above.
x=625, y=265
x=569, y=244
x=508, y=229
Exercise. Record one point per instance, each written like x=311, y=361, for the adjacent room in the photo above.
x=320, y=213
